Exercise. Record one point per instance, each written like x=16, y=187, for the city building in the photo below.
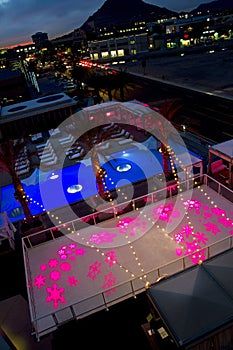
x=13, y=86
x=40, y=39
x=117, y=47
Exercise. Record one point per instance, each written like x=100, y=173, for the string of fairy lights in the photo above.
x=175, y=163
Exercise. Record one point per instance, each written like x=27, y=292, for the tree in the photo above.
x=89, y=142
x=168, y=109
x=9, y=152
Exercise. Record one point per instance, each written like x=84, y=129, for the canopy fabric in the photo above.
x=225, y=148
x=196, y=301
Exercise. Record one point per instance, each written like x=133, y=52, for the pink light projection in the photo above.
x=201, y=238
x=94, y=270
x=110, y=281
x=40, y=281
x=56, y=271
x=65, y=266
x=72, y=281
x=165, y=212
x=194, y=242
x=212, y=227
x=55, y=295
x=43, y=267
x=111, y=258
x=61, y=272
x=130, y=226
x=53, y=263
x=55, y=275
x=102, y=237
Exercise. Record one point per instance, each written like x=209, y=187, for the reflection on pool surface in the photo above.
x=62, y=187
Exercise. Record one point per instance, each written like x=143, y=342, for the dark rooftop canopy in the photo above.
x=196, y=301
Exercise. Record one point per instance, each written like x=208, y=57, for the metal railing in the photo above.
x=133, y=286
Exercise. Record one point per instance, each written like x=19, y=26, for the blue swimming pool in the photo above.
x=58, y=188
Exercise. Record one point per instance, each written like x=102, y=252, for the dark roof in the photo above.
x=196, y=301
x=8, y=74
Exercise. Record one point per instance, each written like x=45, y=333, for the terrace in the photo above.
x=93, y=264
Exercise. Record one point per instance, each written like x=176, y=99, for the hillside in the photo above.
x=214, y=6
x=114, y=12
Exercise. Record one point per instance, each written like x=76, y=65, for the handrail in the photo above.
x=133, y=289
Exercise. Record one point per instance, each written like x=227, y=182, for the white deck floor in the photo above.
x=98, y=259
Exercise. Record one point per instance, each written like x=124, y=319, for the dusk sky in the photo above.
x=19, y=19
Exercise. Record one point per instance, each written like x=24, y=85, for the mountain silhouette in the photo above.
x=116, y=12
x=214, y=6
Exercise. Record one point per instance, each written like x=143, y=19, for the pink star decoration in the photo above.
x=201, y=238
x=111, y=258
x=53, y=263
x=72, y=281
x=55, y=295
x=218, y=211
x=192, y=204
x=80, y=251
x=102, y=237
x=94, y=270
x=212, y=227
x=225, y=222
x=110, y=280
x=39, y=281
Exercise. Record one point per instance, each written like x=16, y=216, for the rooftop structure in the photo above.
x=36, y=115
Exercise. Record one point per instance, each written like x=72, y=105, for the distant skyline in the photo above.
x=20, y=19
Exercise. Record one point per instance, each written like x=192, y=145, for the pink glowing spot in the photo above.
x=72, y=246
x=192, y=204
x=201, y=238
x=187, y=230
x=80, y=251
x=39, y=281
x=72, y=257
x=55, y=275
x=61, y=251
x=207, y=215
x=132, y=233
x=94, y=270
x=65, y=266
x=179, y=251
x=43, y=267
x=163, y=216
x=175, y=214
x=110, y=280
x=69, y=252
x=102, y=237
x=231, y=232
x=205, y=207
x=218, y=211
x=63, y=257
x=111, y=258
x=64, y=247
x=124, y=222
x=179, y=237
x=212, y=227
x=164, y=211
x=191, y=247
x=198, y=257
x=53, y=263
x=225, y=222
x=110, y=291
x=72, y=281
x=55, y=295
